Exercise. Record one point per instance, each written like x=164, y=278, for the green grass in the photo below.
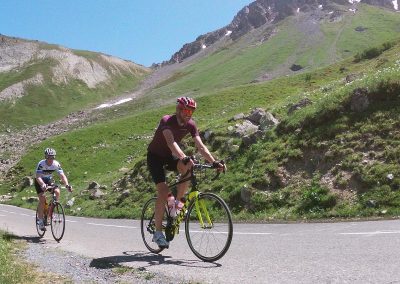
x=355, y=151
x=15, y=270
x=240, y=62
x=48, y=102
x=101, y=151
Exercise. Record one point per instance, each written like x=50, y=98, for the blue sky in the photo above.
x=143, y=31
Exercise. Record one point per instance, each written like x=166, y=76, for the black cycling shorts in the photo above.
x=157, y=166
x=48, y=181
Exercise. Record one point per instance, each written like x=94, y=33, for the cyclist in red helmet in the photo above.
x=164, y=153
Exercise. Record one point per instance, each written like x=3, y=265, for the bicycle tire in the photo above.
x=40, y=232
x=148, y=227
x=211, y=242
x=57, y=220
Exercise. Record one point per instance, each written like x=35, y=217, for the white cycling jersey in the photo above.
x=45, y=171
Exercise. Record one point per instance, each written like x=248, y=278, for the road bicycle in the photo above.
x=53, y=216
x=208, y=221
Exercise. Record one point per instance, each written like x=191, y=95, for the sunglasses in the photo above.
x=187, y=111
x=50, y=157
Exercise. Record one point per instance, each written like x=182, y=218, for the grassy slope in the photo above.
x=233, y=66
x=13, y=269
x=47, y=102
x=99, y=152
x=121, y=143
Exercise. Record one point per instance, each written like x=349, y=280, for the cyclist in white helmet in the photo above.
x=44, y=178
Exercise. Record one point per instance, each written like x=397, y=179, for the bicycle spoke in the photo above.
x=148, y=227
x=209, y=227
x=40, y=232
x=58, y=222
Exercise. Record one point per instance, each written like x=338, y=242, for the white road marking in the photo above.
x=5, y=211
x=371, y=233
x=116, y=226
x=242, y=233
x=235, y=233
x=2, y=215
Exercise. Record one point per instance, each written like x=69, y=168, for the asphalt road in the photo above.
x=348, y=252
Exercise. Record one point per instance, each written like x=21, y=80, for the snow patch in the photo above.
x=395, y=4
x=114, y=104
x=353, y=10
x=320, y=7
x=298, y=10
x=354, y=1
x=228, y=33
x=203, y=46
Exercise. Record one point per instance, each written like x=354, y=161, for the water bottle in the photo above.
x=179, y=205
x=171, y=205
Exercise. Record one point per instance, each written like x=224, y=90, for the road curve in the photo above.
x=349, y=252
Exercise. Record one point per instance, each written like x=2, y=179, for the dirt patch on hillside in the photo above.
x=13, y=144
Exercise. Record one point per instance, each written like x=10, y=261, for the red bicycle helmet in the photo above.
x=187, y=102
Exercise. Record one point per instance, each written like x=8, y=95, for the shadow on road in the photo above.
x=150, y=258
x=29, y=239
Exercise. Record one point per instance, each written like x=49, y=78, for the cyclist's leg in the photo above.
x=183, y=187
x=42, y=199
x=57, y=192
x=156, y=167
x=162, y=194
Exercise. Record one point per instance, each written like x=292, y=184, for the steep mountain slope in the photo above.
x=269, y=12
x=334, y=152
x=307, y=40
x=41, y=82
x=327, y=157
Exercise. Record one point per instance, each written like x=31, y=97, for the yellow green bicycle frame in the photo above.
x=201, y=210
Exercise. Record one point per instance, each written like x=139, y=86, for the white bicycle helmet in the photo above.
x=49, y=152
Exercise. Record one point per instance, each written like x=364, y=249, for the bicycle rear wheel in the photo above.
x=148, y=226
x=57, y=222
x=208, y=227
x=40, y=232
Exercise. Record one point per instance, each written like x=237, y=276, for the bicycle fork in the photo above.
x=201, y=210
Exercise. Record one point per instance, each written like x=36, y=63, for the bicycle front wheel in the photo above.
x=148, y=225
x=208, y=227
x=58, y=222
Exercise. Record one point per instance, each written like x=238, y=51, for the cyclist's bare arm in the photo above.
x=64, y=179
x=203, y=149
x=206, y=153
x=175, y=149
x=41, y=182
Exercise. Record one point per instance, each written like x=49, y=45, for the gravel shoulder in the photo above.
x=67, y=266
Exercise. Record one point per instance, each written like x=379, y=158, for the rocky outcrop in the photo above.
x=67, y=64
x=383, y=3
x=262, y=12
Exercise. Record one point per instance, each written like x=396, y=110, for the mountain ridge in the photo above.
x=15, y=53
x=267, y=12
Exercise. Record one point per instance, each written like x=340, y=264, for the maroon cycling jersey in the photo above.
x=159, y=145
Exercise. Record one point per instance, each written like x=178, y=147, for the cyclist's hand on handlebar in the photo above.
x=44, y=187
x=188, y=161
x=220, y=166
x=69, y=187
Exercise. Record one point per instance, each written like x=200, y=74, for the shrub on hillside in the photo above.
x=315, y=198
x=380, y=197
x=372, y=52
